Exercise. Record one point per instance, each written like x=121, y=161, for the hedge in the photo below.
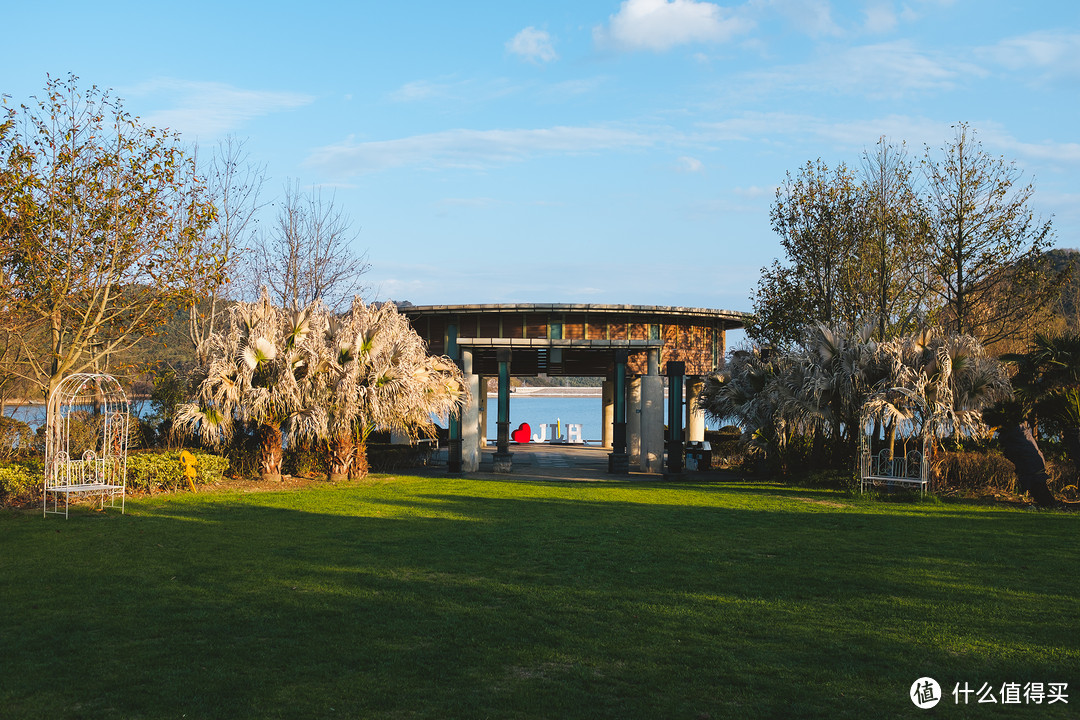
x=146, y=471
x=163, y=471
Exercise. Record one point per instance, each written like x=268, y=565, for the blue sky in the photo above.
x=588, y=151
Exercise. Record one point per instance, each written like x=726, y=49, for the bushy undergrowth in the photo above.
x=151, y=472
x=973, y=470
x=21, y=481
x=305, y=460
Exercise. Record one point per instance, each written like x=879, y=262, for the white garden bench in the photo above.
x=897, y=471
x=88, y=476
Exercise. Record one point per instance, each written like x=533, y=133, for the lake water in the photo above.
x=34, y=414
x=540, y=410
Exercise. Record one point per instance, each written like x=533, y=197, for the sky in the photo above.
x=590, y=151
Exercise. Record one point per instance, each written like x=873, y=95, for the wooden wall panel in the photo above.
x=513, y=326
x=488, y=326
x=536, y=327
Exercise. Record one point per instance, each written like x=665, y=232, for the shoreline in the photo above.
x=583, y=392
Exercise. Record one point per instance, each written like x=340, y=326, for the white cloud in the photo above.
x=880, y=17
x=812, y=17
x=753, y=192
x=690, y=165
x=470, y=148
x=660, y=25
x=532, y=45
x=848, y=136
x=882, y=70
x=453, y=90
x=209, y=109
x=1055, y=53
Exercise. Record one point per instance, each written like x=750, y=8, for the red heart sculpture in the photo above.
x=523, y=434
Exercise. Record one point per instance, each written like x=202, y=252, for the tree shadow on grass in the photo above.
x=440, y=600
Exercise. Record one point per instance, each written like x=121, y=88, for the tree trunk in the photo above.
x=270, y=452
x=341, y=457
x=1021, y=449
x=360, y=459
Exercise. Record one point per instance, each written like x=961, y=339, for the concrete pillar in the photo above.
x=695, y=417
x=607, y=419
x=652, y=424
x=482, y=401
x=470, y=417
x=633, y=421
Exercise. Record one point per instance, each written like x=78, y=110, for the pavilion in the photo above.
x=628, y=345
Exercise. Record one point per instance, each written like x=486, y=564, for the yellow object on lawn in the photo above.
x=191, y=468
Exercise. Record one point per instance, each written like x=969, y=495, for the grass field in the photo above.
x=456, y=598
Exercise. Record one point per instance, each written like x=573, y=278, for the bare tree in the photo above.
x=234, y=183
x=895, y=243
x=986, y=254
x=309, y=255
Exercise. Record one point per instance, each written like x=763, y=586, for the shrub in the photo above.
x=386, y=457
x=305, y=460
x=728, y=449
x=20, y=481
x=163, y=470
x=973, y=470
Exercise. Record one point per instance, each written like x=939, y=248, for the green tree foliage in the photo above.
x=962, y=248
x=101, y=220
x=819, y=217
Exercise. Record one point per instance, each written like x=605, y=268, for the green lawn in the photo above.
x=456, y=598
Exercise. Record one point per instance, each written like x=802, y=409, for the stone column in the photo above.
x=652, y=417
x=633, y=421
x=482, y=401
x=695, y=416
x=607, y=416
x=470, y=417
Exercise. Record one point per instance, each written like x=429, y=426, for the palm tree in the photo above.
x=261, y=369
x=842, y=370
x=378, y=375
x=820, y=388
x=954, y=377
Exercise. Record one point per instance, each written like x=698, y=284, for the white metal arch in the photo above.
x=88, y=421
